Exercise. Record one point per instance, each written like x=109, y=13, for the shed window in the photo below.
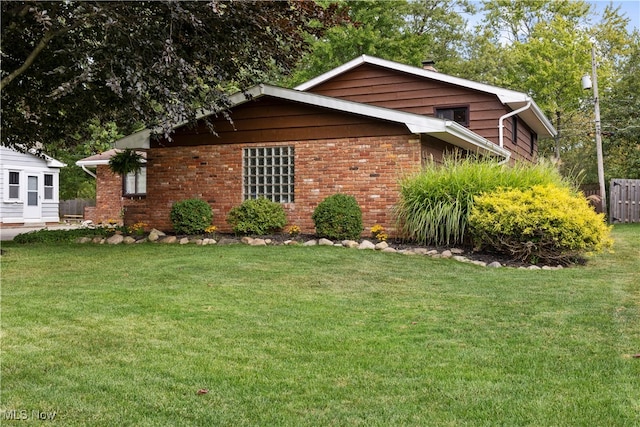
x=457, y=114
x=135, y=183
x=14, y=185
x=515, y=130
x=48, y=186
x=268, y=172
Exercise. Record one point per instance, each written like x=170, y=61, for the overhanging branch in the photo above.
x=29, y=61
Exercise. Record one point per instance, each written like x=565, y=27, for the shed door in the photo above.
x=32, y=209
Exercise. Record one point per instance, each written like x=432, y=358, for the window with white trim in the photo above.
x=268, y=172
x=14, y=185
x=135, y=183
x=48, y=186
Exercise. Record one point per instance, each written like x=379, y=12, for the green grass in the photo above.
x=127, y=335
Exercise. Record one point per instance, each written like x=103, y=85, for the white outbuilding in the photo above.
x=29, y=188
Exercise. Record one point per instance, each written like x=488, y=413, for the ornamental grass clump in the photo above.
x=338, y=217
x=434, y=204
x=544, y=223
x=257, y=216
x=191, y=216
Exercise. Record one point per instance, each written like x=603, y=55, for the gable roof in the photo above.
x=534, y=117
x=33, y=153
x=104, y=157
x=446, y=130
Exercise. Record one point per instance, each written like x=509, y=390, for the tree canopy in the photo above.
x=156, y=63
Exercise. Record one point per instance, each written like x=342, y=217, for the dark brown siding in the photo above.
x=392, y=89
x=271, y=120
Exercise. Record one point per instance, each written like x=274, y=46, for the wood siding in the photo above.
x=270, y=120
x=392, y=89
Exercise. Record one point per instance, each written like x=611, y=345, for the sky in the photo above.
x=630, y=8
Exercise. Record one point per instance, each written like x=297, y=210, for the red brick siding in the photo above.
x=367, y=168
x=109, y=201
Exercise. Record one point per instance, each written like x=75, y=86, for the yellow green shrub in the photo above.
x=544, y=223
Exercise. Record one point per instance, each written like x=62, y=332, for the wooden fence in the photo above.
x=624, y=200
x=74, y=208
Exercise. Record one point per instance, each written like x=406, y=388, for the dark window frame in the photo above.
x=449, y=113
x=12, y=184
x=138, y=177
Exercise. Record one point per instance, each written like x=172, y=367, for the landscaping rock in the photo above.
x=129, y=240
x=534, y=267
x=390, y=250
x=228, y=241
x=422, y=251
x=169, y=239
x=494, y=264
x=446, y=254
x=350, y=244
x=432, y=252
x=84, y=240
x=381, y=245
x=310, y=243
x=365, y=244
x=257, y=242
x=98, y=240
x=184, y=241
x=155, y=235
x=116, y=239
x=460, y=258
x=209, y=241
x=457, y=251
x=325, y=242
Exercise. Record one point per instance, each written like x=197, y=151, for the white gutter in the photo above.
x=84, y=168
x=513, y=113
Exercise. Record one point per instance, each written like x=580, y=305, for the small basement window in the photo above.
x=268, y=172
x=459, y=115
x=48, y=186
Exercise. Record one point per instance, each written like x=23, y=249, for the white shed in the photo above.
x=29, y=188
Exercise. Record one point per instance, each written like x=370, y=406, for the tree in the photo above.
x=155, y=63
x=398, y=30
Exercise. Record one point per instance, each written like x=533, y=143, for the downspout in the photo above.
x=501, y=125
x=84, y=168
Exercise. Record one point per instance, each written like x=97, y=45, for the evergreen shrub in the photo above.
x=257, y=216
x=191, y=216
x=544, y=223
x=338, y=217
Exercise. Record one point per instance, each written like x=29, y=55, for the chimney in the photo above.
x=428, y=64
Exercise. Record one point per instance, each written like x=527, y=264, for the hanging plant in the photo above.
x=125, y=162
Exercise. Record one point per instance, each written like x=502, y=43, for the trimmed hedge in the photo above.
x=257, y=216
x=338, y=217
x=191, y=216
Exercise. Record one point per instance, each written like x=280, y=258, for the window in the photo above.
x=457, y=114
x=268, y=172
x=48, y=186
x=515, y=130
x=533, y=141
x=14, y=185
x=135, y=183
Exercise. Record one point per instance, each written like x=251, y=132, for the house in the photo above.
x=29, y=188
x=356, y=130
x=114, y=193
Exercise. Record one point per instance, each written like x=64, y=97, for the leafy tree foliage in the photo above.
x=155, y=63
x=398, y=30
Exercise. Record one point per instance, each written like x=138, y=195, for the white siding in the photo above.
x=12, y=210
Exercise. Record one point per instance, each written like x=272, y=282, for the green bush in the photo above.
x=542, y=224
x=434, y=205
x=257, y=216
x=62, y=236
x=191, y=216
x=338, y=217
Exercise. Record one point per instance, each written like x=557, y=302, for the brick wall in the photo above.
x=109, y=201
x=367, y=168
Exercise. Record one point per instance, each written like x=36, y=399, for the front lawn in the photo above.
x=280, y=335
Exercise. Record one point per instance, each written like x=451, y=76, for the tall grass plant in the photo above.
x=434, y=204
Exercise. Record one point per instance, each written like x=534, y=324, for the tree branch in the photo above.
x=30, y=59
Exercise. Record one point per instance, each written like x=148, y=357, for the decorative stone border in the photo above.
x=157, y=236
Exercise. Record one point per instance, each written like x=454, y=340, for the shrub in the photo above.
x=338, y=217
x=434, y=205
x=540, y=224
x=257, y=216
x=191, y=216
x=62, y=236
